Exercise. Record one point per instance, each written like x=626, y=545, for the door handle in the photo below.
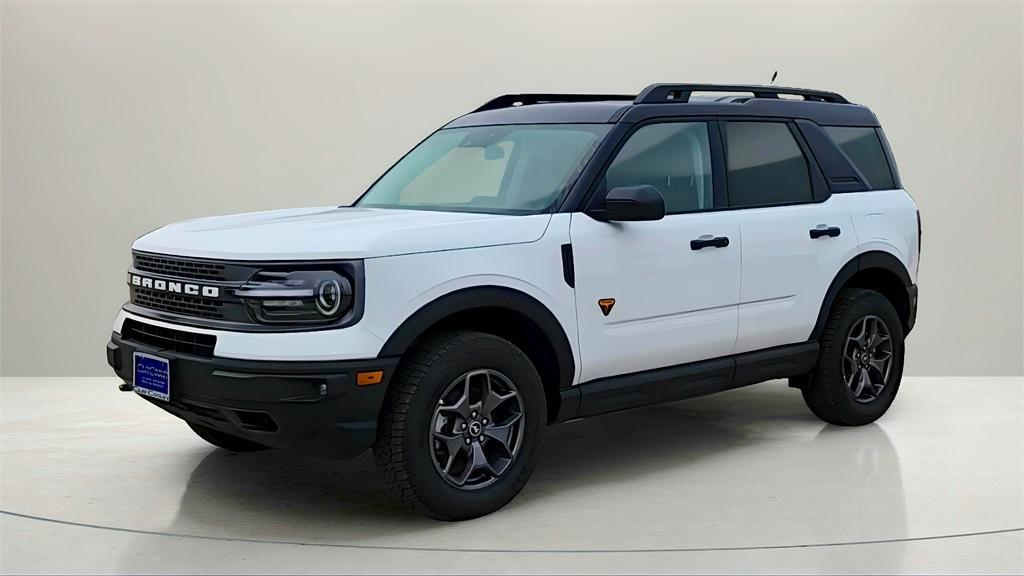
x=830, y=231
x=709, y=240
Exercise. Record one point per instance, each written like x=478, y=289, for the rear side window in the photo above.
x=673, y=157
x=765, y=165
x=862, y=146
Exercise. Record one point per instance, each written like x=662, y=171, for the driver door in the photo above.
x=647, y=295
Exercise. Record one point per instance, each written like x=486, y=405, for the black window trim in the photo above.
x=585, y=192
x=889, y=159
x=819, y=187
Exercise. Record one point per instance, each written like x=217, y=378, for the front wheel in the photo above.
x=462, y=426
x=861, y=361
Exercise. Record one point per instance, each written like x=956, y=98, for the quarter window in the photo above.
x=673, y=157
x=862, y=146
x=765, y=165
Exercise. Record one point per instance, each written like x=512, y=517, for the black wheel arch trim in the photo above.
x=420, y=322
x=865, y=261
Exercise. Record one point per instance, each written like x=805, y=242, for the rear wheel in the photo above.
x=462, y=426
x=226, y=441
x=861, y=361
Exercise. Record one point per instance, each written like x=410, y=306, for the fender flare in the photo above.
x=859, y=263
x=416, y=325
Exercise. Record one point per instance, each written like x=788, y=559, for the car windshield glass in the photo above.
x=510, y=169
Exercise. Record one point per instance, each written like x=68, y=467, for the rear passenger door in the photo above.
x=794, y=238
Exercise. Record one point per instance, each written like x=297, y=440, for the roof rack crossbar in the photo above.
x=676, y=93
x=509, y=100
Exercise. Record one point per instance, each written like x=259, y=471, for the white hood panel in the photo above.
x=338, y=233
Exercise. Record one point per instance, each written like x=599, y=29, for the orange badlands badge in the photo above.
x=606, y=305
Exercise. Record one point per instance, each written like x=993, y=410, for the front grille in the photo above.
x=164, y=271
x=179, y=268
x=169, y=338
x=178, y=303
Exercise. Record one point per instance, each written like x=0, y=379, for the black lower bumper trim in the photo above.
x=310, y=407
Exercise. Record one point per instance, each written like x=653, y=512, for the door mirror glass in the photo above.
x=632, y=204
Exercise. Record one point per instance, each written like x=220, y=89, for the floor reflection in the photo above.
x=745, y=466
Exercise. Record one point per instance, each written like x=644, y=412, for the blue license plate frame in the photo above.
x=151, y=376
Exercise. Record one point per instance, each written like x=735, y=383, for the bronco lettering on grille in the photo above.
x=174, y=287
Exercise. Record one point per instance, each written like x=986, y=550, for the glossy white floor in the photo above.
x=95, y=480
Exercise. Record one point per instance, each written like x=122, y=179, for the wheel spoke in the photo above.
x=454, y=445
x=493, y=400
x=862, y=334
x=503, y=433
x=852, y=377
x=873, y=333
x=850, y=354
x=863, y=380
x=477, y=461
x=461, y=406
x=879, y=365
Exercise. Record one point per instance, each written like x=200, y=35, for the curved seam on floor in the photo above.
x=500, y=551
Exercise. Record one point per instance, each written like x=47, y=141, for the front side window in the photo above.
x=765, y=165
x=862, y=146
x=511, y=169
x=673, y=157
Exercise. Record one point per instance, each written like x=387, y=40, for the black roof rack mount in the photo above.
x=509, y=100
x=677, y=93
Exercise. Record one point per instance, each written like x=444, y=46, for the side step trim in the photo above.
x=683, y=381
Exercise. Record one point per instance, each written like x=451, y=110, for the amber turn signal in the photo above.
x=369, y=378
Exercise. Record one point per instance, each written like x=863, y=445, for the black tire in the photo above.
x=226, y=441
x=825, y=390
x=406, y=446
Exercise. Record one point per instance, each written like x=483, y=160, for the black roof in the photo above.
x=659, y=100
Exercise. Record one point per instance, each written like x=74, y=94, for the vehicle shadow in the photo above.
x=631, y=455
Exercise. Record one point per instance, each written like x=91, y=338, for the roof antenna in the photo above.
x=774, y=76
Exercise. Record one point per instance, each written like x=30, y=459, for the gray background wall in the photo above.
x=120, y=117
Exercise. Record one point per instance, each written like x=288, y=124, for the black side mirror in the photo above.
x=631, y=204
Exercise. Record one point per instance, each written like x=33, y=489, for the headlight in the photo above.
x=298, y=297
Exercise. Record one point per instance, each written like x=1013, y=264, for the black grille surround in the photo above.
x=226, y=311
x=181, y=341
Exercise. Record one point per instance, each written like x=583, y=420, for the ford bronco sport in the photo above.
x=543, y=258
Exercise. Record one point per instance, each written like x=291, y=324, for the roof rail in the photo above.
x=509, y=100
x=675, y=93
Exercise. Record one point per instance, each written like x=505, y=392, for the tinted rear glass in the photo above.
x=765, y=165
x=864, y=149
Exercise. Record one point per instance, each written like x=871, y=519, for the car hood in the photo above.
x=338, y=233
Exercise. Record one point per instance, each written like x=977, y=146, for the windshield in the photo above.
x=512, y=169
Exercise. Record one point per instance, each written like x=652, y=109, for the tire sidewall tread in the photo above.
x=403, y=451
x=825, y=392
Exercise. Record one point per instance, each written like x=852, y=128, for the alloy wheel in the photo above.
x=477, y=429
x=867, y=358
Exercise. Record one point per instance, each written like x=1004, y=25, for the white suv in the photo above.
x=544, y=258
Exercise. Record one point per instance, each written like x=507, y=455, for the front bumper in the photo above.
x=310, y=407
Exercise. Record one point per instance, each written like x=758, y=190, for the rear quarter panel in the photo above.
x=886, y=221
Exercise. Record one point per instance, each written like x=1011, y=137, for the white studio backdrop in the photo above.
x=119, y=117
